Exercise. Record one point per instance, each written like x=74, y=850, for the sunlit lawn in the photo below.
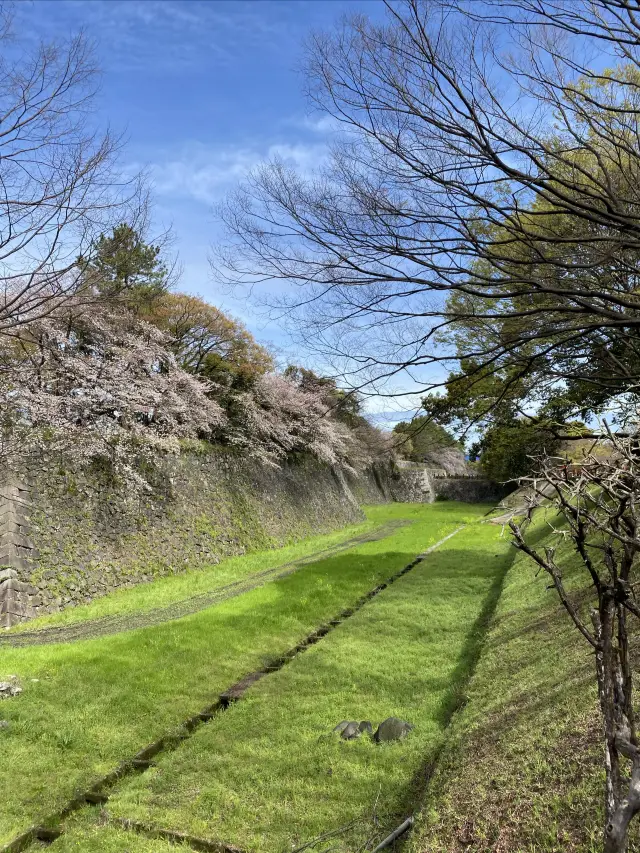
x=89, y=705
x=268, y=776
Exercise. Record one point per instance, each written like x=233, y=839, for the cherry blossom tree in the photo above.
x=98, y=382
x=277, y=418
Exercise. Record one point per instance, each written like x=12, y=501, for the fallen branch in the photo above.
x=388, y=841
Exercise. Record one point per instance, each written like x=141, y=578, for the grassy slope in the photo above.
x=521, y=770
x=267, y=775
x=96, y=702
x=87, y=831
x=173, y=588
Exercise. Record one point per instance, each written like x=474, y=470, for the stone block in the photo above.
x=13, y=537
x=14, y=585
x=14, y=481
x=13, y=516
x=7, y=620
x=21, y=563
x=18, y=601
x=14, y=496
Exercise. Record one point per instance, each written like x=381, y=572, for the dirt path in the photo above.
x=519, y=503
x=116, y=624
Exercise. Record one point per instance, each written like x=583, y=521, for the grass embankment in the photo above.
x=268, y=775
x=87, y=706
x=521, y=771
x=167, y=590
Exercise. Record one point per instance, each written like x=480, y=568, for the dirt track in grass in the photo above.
x=116, y=624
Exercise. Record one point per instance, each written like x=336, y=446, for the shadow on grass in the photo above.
x=416, y=789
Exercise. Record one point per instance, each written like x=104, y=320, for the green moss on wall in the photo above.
x=92, y=535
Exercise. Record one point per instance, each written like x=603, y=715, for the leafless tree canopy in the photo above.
x=486, y=168
x=59, y=187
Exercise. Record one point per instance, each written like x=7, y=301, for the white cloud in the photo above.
x=324, y=124
x=205, y=173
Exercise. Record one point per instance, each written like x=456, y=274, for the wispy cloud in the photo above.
x=205, y=173
x=320, y=124
x=130, y=32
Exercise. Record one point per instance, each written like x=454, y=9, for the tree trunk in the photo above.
x=615, y=834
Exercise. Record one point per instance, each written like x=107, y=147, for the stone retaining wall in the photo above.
x=469, y=489
x=69, y=535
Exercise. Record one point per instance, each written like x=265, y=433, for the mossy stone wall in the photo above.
x=91, y=535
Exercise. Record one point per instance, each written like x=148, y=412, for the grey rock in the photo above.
x=351, y=732
x=4, y=724
x=365, y=726
x=392, y=729
x=10, y=688
x=348, y=729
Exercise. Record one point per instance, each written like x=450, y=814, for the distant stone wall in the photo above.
x=371, y=486
x=80, y=535
x=412, y=485
x=421, y=482
x=469, y=490
x=393, y=482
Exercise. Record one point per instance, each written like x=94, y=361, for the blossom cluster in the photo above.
x=100, y=383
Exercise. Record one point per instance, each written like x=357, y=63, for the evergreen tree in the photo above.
x=123, y=265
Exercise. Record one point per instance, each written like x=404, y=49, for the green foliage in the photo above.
x=508, y=451
x=420, y=437
x=519, y=349
x=478, y=396
x=124, y=265
x=346, y=406
x=208, y=343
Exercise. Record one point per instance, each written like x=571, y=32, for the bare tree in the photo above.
x=486, y=169
x=599, y=504
x=59, y=182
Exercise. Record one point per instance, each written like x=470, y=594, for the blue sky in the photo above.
x=203, y=91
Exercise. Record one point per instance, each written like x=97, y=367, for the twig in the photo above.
x=326, y=835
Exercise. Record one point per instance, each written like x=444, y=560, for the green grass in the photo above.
x=267, y=775
x=90, y=704
x=87, y=831
x=522, y=768
x=167, y=590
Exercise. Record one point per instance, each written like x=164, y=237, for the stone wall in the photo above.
x=82, y=535
x=469, y=490
x=69, y=535
x=406, y=483
x=18, y=600
x=371, y=486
